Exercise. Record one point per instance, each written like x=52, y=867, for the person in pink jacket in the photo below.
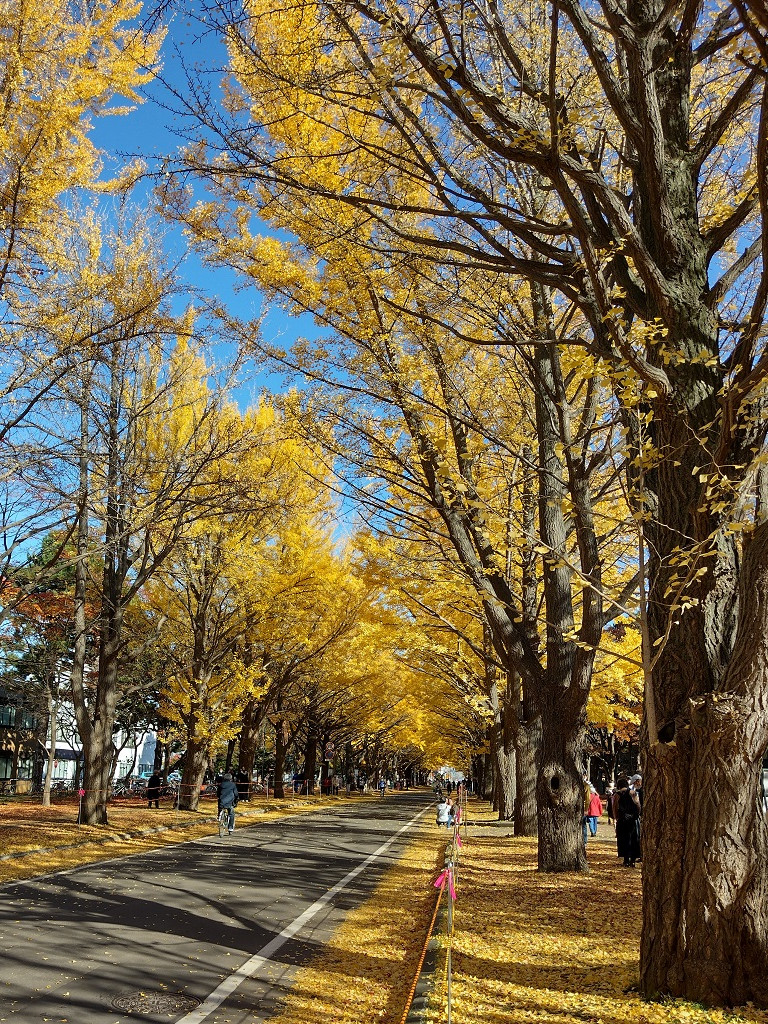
x=594, y=811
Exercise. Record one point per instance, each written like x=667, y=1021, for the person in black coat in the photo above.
x=226, y=792
x=243, y=782
x=153, y=789
x=627, y=823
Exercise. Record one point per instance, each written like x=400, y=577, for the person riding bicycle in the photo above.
x=226, y=792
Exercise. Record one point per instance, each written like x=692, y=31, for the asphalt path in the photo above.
x=205, y=932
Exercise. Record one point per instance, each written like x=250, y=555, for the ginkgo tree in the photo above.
x=615, y=154
x=64, y=65
x=214, y=591
x=141, y=433
x=426, y=409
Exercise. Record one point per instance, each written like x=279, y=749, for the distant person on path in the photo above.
x=443, y=813
x=226, y=793
x=627, y=823
x=610, y=803
x=382, y=786
x=153, y=790
x=594, y=811
x=243, y=783
x=587, y=797
x=636, y=783
x=451, y=812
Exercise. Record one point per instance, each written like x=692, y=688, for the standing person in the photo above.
x=610, y=808
x=382, y=786
x=585, y=809
x=153, y=790
x=594, y=811
x=226, y=793
x=627, y=823
x=243, y=783
x=636, y=783
x=451, y=812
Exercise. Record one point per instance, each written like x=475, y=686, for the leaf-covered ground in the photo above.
x=25, y=826
x=552, y=949
x=365, y=973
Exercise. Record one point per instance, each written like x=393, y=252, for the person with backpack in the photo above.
x=226, y=793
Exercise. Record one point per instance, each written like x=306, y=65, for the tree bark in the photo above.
x=53, y=707
x=708, y=939
x=249, y=734
x=281, y=751
x=310, y=754
x=527, y=748
x=503, y=746
x=195, y=763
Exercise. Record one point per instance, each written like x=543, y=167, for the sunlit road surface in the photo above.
x=208, y=932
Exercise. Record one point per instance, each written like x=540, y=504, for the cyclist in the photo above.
x=226, y=792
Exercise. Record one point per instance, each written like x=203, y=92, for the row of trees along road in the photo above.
x=593, y=177
x=142, y=514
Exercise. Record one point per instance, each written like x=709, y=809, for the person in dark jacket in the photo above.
x=243, y=782
x=226, y=792
x=627, y=823
x=153, y=789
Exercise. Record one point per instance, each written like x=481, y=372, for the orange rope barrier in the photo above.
x=422, y=958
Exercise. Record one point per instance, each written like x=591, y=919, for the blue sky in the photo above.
x=153, y=130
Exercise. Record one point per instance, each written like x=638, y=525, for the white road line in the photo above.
x=260, y=959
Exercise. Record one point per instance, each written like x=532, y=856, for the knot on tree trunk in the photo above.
x=719, y=717
x=557, y=784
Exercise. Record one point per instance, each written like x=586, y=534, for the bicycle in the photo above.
x=224, y=821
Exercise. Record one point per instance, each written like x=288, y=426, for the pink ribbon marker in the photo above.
x=458, y=841
x=441, y=879
x=81, y=792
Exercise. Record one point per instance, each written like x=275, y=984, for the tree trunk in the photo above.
x=52, y=723
x=281, y=750
x=195, y=763
x=705, y=899
x=97, y=771
x=560, y=791
x=527, y=746
x=310, y=754
x=249, y=735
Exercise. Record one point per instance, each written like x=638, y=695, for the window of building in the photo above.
x=6, y=765
x=25, y=766
x=7, y=717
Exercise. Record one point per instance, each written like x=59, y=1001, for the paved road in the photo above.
x=182, y=921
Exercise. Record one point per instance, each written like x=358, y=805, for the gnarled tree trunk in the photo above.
x=705, y=904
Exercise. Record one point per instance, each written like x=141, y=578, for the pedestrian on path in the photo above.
x=594, y=811
x=382, y=786
x=627, y=823
x=153, y=790
x=226, y=792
